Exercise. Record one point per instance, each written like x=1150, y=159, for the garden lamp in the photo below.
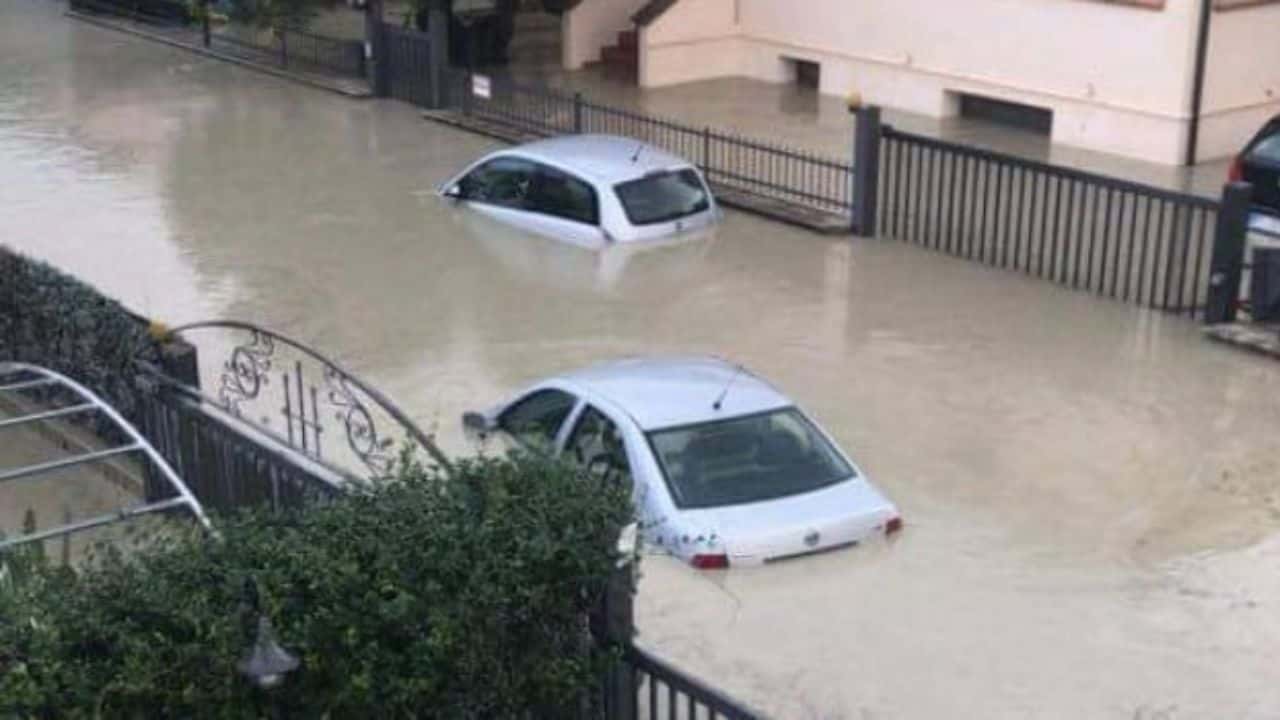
x=268, y=662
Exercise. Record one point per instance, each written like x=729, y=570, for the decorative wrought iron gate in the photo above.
x=408, y=65
x=279, y=423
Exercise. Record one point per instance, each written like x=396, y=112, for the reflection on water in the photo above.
x=1091, y=491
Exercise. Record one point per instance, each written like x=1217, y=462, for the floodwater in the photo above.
x=1092, y=491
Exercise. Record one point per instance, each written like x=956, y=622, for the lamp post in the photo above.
x=267, y=662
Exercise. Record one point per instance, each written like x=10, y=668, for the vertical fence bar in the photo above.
x=1106, y=243
x=1202, y=216
x=1019, y=204
x=1133, y=240
x=1185, y=245
x=1049, y=181
x=980, y=238
x=1155, y=255
x=951, y=204
x=996, y=246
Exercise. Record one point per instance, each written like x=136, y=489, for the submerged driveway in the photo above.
x=1091, y=491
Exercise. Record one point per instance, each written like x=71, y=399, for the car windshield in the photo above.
x=747, y=459
x=662, y=197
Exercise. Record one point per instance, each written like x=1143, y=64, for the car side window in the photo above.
x=596, y=444
x=559, y=194
x=505, y=181
x=535, y=420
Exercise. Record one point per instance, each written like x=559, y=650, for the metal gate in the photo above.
x=1112, y=237
x=407, y=63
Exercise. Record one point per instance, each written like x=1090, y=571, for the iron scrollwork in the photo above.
x=245, y=372
x=361, y=431
x=372, y=425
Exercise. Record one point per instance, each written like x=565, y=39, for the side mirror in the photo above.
x=453, y=191
x=476, y=422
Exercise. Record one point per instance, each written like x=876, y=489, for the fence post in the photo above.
x=204, y=23
x=619, y=622
x=866, y=167
x=706, y=148
x=1227, y=262
x=438, y=52
x=179, y=360
x=284, y=48
x=577, y=113
x=375, y=34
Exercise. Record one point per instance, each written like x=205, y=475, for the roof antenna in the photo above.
x=737, y=370
x=636, y=156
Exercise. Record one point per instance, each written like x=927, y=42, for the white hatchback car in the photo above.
x=724, y=469
x=588, y=189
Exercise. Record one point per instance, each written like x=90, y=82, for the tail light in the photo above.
x=710, y=562
x=893, y=526
x=1235, y=172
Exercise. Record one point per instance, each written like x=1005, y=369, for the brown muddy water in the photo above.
x=1092, y=492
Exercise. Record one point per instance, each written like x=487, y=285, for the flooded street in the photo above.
x=1091, y=491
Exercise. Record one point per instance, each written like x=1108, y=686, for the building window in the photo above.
x=804, y=73
x=1004, y=112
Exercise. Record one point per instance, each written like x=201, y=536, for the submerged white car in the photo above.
x=724, y=469
x=588, y=189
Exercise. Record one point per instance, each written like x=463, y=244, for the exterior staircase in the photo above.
x=622, y=59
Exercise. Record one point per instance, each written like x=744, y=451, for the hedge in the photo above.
x=460, y=596
x=52, y=319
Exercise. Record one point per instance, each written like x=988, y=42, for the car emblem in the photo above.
x=812, y=538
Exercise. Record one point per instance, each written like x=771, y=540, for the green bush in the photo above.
x=460, y=596
x=52, y=319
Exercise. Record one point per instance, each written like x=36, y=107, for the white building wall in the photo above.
x=693, y=40
x=1242, y=79
x=1116, y=76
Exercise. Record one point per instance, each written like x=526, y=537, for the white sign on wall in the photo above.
x=480, y=86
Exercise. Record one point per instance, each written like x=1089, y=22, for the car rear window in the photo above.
x=1267, y=149
x=746, y=459
x=663, y=197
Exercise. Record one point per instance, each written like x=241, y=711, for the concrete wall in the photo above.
x=591, y=25
x=1242, y=78
x=1116, y=76
x=695, y=39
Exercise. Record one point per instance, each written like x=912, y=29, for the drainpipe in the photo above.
x=1197, y=83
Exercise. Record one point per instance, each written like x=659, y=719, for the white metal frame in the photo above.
x=90, y=403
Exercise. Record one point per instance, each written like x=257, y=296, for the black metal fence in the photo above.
x=728, y=160
x=225, y=463
x=664, y=692
x=299, y=49
x=155, y=12
x=1108, y=236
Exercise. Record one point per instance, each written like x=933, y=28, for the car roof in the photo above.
x=603, y=158
x=661, y=392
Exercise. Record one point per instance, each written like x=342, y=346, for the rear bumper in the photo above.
x=810, y=540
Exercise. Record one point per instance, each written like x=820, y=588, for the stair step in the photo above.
x=614, y=55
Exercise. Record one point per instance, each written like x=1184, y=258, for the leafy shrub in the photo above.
x=460, y=596
x=52, y=319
